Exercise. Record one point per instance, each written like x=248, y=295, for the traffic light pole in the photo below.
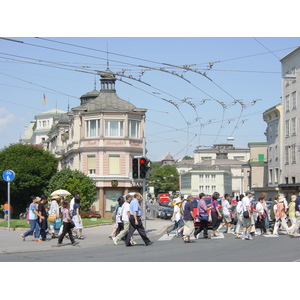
x=144, y=179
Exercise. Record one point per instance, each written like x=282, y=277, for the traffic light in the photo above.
x=143, y=167
x=135, y=168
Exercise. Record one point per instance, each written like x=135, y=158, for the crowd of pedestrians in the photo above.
x=64, y=219
x=243, y=217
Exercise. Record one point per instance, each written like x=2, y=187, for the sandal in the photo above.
x=81, y=238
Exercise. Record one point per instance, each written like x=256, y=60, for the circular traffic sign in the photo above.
x=8, y=175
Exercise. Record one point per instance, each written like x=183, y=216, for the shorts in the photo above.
x=227, y=219
x=247, y=222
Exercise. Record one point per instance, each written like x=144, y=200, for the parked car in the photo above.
x=90, y=214
x=159, y=212
x=166, y=213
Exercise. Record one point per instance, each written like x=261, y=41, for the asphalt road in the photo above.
x=172, y=249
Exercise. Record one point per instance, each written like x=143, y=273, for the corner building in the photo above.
x=102, y=136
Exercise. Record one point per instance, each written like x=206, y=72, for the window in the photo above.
x=207, y=190
x=92, y=128
x=287, y=103
x=270, y=175
x=201, y=176
x=293, y=154
x=294, y=101
x=91, y=163
x=134, y=129
x=114, y=128
x=293, y=126
x=207, y=177
x=261, y=157
x=276, y=128
x=287, y=153
x=213, y=178
x=114, y=164
x=270, y=131
x=287, y=128
x=201, y=189
x=276, y=175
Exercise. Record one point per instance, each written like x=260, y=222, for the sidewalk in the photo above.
x=11, y=242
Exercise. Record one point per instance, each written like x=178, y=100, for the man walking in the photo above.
x=246, y=216
x=125, y=213
x=188, y=220
x=135, y=220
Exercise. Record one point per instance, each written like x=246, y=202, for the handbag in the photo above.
x=51, y=218
x=209, y=217
x=72, y=224
x=246, y=214
x=57, y=223
x=203, y=216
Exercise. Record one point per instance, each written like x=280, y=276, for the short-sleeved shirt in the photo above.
x=135, y=206
x=297, y=203
x=245, y=203
x=202, y=207
x=75, y=206
x=214, y=204
x=42, y=209
x=226, y=207
x=187, y=211
x=32, y=215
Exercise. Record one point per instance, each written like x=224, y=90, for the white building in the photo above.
x=36, y=132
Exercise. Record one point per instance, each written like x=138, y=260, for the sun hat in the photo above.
x=55, y=197
x=177, y=200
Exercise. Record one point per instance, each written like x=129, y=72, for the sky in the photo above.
x=199, y=89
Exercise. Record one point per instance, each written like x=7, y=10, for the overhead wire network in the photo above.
x=134, y=78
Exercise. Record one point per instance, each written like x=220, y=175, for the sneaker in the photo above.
x=133, y=242
x=150, y=243
x=250, y=237
x=75, y=243
x=243, y=238
x=115, y=241
x=59, y=245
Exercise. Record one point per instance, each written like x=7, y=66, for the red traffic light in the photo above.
x=142, y=160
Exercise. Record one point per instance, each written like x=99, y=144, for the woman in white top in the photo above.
x=53, y=210
x=176, y=217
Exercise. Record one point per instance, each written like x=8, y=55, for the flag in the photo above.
x=45, y=100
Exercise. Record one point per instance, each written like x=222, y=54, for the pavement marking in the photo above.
x=166, y=237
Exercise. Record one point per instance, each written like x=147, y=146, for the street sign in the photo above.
x=8, y=175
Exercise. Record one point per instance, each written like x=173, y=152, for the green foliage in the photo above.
x=33, y=169
x=72, y=181
x=164, y=179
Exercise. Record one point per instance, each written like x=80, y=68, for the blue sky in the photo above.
x=209, y=104
x=185, y=108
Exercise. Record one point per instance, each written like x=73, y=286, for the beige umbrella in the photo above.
x=61, y=193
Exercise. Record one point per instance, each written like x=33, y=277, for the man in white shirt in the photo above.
x=125, y=213
x=246, y=216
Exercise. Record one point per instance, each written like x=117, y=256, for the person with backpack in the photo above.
x=280, y=215
x=294, y=228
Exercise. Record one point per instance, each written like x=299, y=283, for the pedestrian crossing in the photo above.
x=220, y=235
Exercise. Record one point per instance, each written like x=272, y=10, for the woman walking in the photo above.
x=176, y=217
x=215, y=214
x=67, y=224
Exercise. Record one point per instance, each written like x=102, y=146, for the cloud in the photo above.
x=5, y=118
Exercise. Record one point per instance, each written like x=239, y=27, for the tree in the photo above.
x=164, y=179
x=74, y=180
x=33, y=168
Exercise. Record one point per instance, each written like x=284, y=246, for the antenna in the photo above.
x=107, y=64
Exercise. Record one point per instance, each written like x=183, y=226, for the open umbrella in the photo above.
x=61, y=193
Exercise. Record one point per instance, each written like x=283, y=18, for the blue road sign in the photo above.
x=8, y=175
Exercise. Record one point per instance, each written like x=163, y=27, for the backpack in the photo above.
x=280, y=210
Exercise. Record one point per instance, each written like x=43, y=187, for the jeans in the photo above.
x=175, y=226
x=34, y=226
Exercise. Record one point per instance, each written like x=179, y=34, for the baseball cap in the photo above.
x=249, y=192
x=127, y=196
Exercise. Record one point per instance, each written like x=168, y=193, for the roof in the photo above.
x=51, y=112
x=106, y=101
